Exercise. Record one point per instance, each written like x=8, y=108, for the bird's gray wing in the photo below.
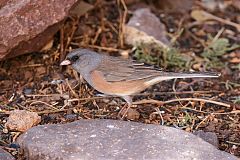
x=117, y=69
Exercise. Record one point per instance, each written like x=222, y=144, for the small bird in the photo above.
x=120, y=77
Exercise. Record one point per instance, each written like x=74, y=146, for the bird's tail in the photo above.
x=172, y=75
x=190, y=74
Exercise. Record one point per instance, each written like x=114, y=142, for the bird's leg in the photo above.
x=128, y=105
x=128, y=99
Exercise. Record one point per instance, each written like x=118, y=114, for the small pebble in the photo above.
x=27, y=90
x=5, y=130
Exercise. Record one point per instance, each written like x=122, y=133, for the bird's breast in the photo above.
x=119, y=88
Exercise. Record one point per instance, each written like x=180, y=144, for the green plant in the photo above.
x=217, y=47
x=143, y=55
x=161, y=57
x=173, y=58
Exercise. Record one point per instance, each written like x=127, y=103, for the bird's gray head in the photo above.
x=82, y=60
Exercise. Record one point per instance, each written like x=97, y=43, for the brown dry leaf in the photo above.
x=200, y=15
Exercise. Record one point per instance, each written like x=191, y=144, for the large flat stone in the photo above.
x=112, y=139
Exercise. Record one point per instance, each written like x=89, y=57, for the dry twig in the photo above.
x=122, y=21
x=183, y=99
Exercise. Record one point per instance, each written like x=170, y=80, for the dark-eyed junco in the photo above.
x=120, y=77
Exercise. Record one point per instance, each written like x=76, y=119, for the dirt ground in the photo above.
x=36, y=82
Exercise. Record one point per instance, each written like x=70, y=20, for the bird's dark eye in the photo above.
x=74, y=58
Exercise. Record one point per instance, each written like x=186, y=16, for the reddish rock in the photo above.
x=21, y=120
x=26, y=26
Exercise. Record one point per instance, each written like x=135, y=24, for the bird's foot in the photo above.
x=124, y=110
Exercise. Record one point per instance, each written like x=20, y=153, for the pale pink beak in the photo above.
x=65, y=63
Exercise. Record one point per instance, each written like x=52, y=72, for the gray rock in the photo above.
x=209, y=137
x=5, y=155
x=112, y=139
x=145, y=27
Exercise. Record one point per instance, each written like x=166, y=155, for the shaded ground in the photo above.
x=35, y=82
